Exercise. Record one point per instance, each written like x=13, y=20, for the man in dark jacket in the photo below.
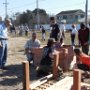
x=83, y=36
x=54, y=29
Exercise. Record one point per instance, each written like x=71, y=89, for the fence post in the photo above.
x=77, y=79
x=26, y=80
x=55, y=66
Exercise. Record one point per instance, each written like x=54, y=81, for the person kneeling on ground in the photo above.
x=83, y=61
x=46, y=63
x=29, y=45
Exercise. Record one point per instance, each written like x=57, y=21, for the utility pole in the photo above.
x=6, y=15
x=38, y=19
x=86, y=12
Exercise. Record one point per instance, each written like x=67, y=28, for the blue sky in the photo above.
x=51, y=6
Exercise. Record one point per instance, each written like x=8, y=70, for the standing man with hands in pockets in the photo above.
x=3, y=41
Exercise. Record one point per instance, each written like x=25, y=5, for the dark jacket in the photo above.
x=46, y=59
x=83, y=36
x=54, y=32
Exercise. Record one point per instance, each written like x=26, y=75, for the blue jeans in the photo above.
x=29, y=56
x=3, y=52
x=73, y=39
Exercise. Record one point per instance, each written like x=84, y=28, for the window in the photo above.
x=59, y=17
x=82, y=16
x=64, y=17
x=76, y=17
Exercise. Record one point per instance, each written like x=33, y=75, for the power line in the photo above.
x=9, y=10
x=25, y=5
x=67, y=6
x=12, y=9
x=29, y=4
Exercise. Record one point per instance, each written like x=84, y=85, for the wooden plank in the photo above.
x=64, y=84
x=41, y=81
x=26, y=80
x=85, y=84
x=37, y=55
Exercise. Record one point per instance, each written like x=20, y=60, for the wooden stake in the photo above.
x=26, y=80
x=77, y=80
x=55, y=67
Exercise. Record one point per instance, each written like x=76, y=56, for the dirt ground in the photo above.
x=11, y=79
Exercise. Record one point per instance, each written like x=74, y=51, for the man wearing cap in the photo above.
x=3, y=42
x=47, y=60
x=32, y=43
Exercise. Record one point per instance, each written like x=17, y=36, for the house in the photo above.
x=70, y=16
x=83, y=19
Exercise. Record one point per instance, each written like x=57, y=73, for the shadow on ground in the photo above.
x=14, y=75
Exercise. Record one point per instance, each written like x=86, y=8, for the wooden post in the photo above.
x=26, y=80
x=55, y=66
x=65, y=61
x=77, y=80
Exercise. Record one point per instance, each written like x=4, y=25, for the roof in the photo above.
x=71, y=12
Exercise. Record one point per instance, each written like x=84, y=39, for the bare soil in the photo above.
x=12, y=78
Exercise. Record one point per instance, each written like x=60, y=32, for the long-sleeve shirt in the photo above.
x=83, y=36
x=3, y=30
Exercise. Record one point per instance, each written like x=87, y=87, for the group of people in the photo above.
x=56, y=35
x=48, y=51
x=13, y=29
x=82, y=57
x=23, y=29
x=47, y=57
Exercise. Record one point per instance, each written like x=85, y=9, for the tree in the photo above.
x=30, y=17
x=41, y=11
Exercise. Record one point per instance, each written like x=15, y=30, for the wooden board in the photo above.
x=64, y=84
x=40, y=81
x=85, y=84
